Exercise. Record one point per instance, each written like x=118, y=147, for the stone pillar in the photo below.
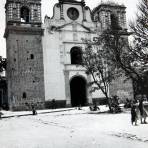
x=61, y=12
x=83, y=9
x=67, y=89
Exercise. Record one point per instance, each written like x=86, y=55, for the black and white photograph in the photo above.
x=74, y=74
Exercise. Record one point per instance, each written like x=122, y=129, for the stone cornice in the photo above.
x=25, y=2
x=82, y=2
x=105, y=6
x=62, y=26
x=73, y=42
x=23, y=30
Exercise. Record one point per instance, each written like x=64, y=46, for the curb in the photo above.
x=29, y=114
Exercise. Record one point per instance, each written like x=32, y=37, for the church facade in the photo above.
x=44, y=61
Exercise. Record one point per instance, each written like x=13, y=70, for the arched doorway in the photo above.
x=78, y=91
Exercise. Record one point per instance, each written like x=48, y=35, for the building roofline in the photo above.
x=108, y=4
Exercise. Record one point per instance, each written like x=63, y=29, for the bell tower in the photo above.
x=110, y=12
x=25, y=73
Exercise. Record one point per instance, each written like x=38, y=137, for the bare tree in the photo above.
x=140, y=31
x=140, y=43
x=132, y=59
x=99, y=67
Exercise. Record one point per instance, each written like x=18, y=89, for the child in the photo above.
x=133, y=115
x=34, y=112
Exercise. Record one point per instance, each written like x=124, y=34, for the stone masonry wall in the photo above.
x=122, y=88
x=25, y=70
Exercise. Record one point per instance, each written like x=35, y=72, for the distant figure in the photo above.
x=1, y=114
x=94, y=107
x=143, y=113
x=115, y=108
x=34, y=112
x=79, y=107
x=127, y=103
x=53, y=104
x=134, y=116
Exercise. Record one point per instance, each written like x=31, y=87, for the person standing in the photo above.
x=142, y=110
x=34, y=112
x=1, y=113
x=53, y=104
x=134, y=116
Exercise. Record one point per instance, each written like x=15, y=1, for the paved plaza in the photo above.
x=72, y=129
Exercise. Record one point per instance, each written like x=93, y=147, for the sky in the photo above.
x=47, y=8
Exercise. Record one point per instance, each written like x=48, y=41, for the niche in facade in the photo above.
x=31, y=56
x=76, y=55
x=24, y=95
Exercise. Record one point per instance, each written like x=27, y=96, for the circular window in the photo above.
x=73, y=13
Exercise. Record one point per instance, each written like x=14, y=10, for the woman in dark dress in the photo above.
x=143, y=113
x=133, y=115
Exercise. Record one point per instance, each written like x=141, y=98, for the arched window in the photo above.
x=25, y=15
x=24, y=95
x=76, y=55
x=115, y=22
x=32, y=56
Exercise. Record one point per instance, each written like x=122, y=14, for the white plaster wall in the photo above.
x=98, y=94
x=68, y=36
x=88, y=16
x=82, y=35
x=53, y=69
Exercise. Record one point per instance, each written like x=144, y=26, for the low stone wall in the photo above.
x=25, y=105
x=99, y=101
x=57, y=104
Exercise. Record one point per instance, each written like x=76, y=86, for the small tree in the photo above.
x=99, y=67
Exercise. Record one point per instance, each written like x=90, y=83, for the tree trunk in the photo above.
x=109, y=102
